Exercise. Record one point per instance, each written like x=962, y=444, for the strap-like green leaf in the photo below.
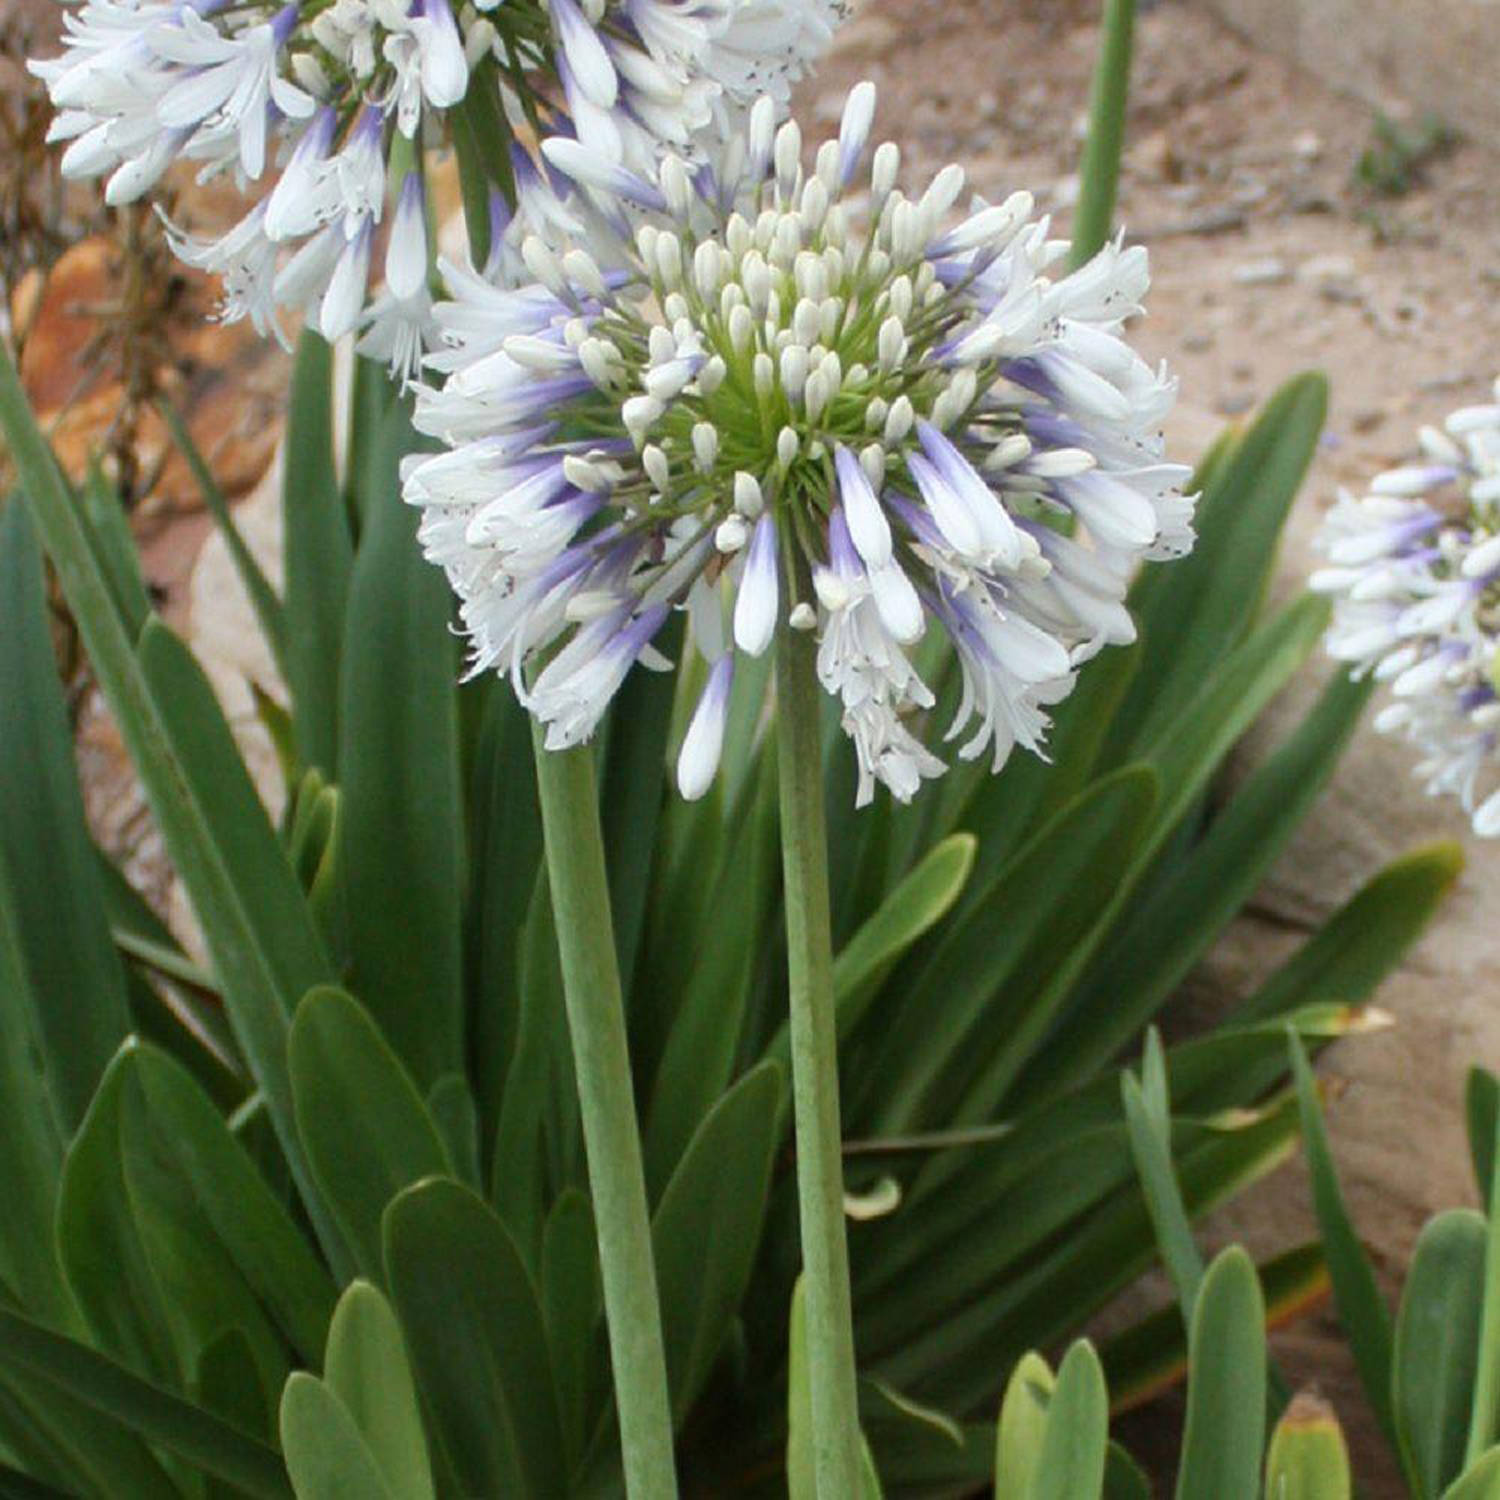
x=367, y=1370
x=971, y=1325
x=251, y=953
x=73, y=1006
x=1023, y=1425
x=365, y=1128
x=938, y=1063
x=1359, y=945
x=327, y=1455
x=142, y=1407
x=707, y=1227
x=800, y=1481
x=572, y=1300
x=475, y=1332
x=1195, y=612
x=268, y=611
x=319, y=556
x=250, y=1222
x=1226, y=1415
x=398, y=776
x=1307, y=1459
x=1481, y=1481
x=1482, y=1114
x=1161, y=937
x=1436, y=1344
x=1363, y=1313
x=1070, y=1465
x=698, y=1061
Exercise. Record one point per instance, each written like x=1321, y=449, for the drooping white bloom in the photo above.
x=323, y=112
x=752, y=415
x=1413, y=568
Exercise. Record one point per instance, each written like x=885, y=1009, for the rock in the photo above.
x=1270, y=271
x=225, y=380
x=1154, y=157
x=1325, y=271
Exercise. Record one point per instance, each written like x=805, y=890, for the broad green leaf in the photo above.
x=1479, y=1482
x=1359, y=945
x=1156, y=945
x=367, y=1370
x=1307, y=1459
x=1226, y=1414
x=477, y=1342
x=254, y=1228
x=1362, y=1309
x=202, y=1289
x=1195, y=612
x=1023, y=1425
x=572, y=1300
x=1436, y=1345
x=326, y=1454
x=398, y=776
x=319, y=556
x=983, y=1008
x=142, y=1408
x=707, y=1228
x=251, y=949
x=187, y=1019
x=1070, y=1465
x=365, y=1128
x=74, y=998
x=17, y=1485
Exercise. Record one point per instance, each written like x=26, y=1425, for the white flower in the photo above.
x=1414, y=572
x=748, y=414
x=323, y=92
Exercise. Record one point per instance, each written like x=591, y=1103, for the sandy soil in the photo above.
x=1268, y=258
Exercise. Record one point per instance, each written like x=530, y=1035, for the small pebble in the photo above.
x=1268, y=272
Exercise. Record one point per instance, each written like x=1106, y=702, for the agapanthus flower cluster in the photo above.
x=759, y=416
x=321, y=110
x=1414, y=571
